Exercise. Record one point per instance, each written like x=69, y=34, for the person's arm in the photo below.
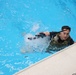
x=49, y=33
x=46, y=33
x=43, y=34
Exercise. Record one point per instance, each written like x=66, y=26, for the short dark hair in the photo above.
x=66, y=27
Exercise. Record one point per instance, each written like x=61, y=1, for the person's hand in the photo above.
x=41, y=34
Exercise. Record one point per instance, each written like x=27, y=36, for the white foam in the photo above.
x=36, y=45
x=35, y=27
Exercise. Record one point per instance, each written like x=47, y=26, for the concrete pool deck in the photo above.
x=61, y=63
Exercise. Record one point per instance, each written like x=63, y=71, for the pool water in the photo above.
x=21, y=17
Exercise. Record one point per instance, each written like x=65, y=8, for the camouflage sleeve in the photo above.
x=52, y=34
x=71, y=41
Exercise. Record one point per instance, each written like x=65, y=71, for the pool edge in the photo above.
x=37, y=66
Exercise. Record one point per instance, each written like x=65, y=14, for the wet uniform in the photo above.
x=56, y=43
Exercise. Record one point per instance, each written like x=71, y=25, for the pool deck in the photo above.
x=61, y=63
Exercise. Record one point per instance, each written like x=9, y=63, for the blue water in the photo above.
x=19, y=17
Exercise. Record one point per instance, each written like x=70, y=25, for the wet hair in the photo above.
x=65, y=27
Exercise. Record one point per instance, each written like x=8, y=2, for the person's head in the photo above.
x=66, y=28
x=64, y=34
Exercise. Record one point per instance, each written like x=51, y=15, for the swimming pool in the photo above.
x=19, y=17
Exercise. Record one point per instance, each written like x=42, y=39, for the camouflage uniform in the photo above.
x=56, y=43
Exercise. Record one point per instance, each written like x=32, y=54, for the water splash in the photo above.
x=36, y=45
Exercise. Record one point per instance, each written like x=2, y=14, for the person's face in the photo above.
x=64, y=34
